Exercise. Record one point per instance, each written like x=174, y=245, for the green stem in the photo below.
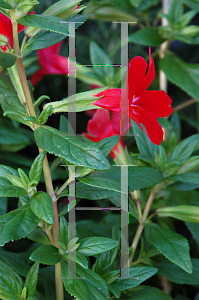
x=141, y=225
x=66, y=183
x=16, y=38
x=136, y=197
x=49, y=234
x=183, y=105
x=24, y=83
x=59, y=282
x=46, y=169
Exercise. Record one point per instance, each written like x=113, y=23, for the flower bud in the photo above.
x=190, y=165
x=3, y=40
x=184, y=213
x=31, y=31
x=191, y=31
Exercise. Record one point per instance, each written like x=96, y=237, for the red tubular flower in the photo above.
x=6, y=29
x=101, y=126
x=51, y=63
x=144, y=107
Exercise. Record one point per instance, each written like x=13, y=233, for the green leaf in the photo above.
x=41, y=205
x=135, y=3
x=78, y=258
x=3, y=205
x=92, y=287
x=17, y=224
x=32, y=119
x=107, y=144
x=70, y=148
x=60, y=7
x=9, y=286
x=47, y=255
x=45, y=115
x=186, y=177
x=187, y=17
x=176, y=274
x=147, y=36
x=138, y=177
x=145, y=4
x=175, y=10
x=139, y=275
x=106, y=259
x=99, y=57
x=104, y=183
x=150, y=293
x=192, y=3
x=15, y=180
x=187, y=213
x=194, y=229
x=37, y=166
x=31, y=279
x=92, y=193
x=142, y=177
x=4, y=267
x=9, y=190
x=39, y=236
x=178, y=186
x=184, y=149
x=5, y=5
x=143, y=142
x=49, y=291
x=7, y=60
x=9, y=101
x=17, y=261
x=7, y=170
x=95, y=245
x=63, y=230
x=79, y=102
x=40, y=100
x=50, y=23
x=13, y=139
x=181, y=74
x=24, y=178
x=172, y=245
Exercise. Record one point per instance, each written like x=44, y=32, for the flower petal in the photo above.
x=37, y=76
x=156, y=102
x=116, y=148
x=137, y=81
x=100, y=125
x=6, y=28
x=120, y=123
x=51, y=63
x=111, y=99
x=149, y=120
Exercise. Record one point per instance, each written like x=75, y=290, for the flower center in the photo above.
x=134, y=100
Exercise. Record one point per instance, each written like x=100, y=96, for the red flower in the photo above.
x=91, y=112
x=101, y=126
x=6, y=29
x=143, y=107
x=51, y=63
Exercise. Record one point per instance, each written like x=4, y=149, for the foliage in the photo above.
x=113, y=213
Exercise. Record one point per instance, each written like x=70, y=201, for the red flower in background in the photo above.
x=144, y=107
x=51, y=63
x=101, y=126
x=6, y=29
